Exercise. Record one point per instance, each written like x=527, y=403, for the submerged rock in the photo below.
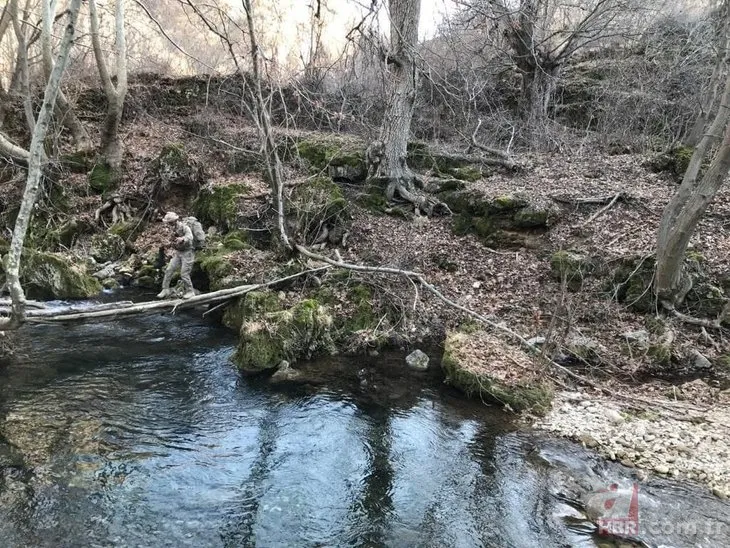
x=417, y=360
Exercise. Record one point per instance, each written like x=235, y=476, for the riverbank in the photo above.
x=680, y=432
x=558, y=253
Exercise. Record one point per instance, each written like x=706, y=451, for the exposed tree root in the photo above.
x=405, y=189
x=691, y=320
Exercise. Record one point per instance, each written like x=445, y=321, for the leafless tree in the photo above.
x=36, y=161
x=402, y=77
x=687, y=206
x=115, y=93
x=64, y=109
x=540, y=36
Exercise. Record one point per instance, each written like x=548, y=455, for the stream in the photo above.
x=141, y=433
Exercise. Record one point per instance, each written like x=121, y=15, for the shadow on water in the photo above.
x=141, y=433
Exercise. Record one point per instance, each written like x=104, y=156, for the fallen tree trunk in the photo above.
x=127, y=308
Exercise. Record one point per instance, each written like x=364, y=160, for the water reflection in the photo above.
x=155, y=440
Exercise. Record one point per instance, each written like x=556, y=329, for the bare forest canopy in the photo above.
x=630, y=71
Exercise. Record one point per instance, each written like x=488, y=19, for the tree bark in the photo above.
x=64, y=111
x=402, y=80
x=110, y=141
x=710, y=98
x=22, y=65
x=263, y=121
x=35, y=165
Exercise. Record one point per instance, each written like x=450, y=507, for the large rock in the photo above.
x=417, y=360
x=54, y=276
x=479, y=363
x=106, y=247
x=174, y=169
x=299, y=332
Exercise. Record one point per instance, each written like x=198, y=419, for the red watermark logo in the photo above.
x=617, y=509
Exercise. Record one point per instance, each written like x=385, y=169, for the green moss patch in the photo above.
x=220, y=205
x=54, y=276
x=300, y=332
x=103, y=178
x=570, y=267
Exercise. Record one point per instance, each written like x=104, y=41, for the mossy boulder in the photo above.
x=220, y=205
x=467, y=173
x=175, y=168
x=299, y=332
x=338, y=159
x=318, y=210
x=631, y=283
x=675, y=161
x=106, y=247
x=570, y=267
x=250, y=307
x=480, y=364
x=55, y=276
x=102, y=178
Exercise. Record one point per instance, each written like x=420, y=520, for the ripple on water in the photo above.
x=141, y=433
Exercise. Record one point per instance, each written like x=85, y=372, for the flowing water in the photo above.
x=141, y=433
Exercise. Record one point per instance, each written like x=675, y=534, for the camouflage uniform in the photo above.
x=183, y=259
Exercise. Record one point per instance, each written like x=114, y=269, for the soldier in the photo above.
x=183, y=259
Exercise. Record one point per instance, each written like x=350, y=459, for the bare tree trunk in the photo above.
x=12, y=151
x=674, y=240
x=64, y=111
x=263, y=122
x=684, y=211
x=110, y=141
x=35, y=168
x=710, y=98
x=401, y=95
x=22, y=65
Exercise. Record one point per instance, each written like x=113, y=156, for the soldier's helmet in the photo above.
x=170, y=217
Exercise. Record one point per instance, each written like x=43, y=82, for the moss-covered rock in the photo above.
x=102, y=178
x=54, y=276
x=106, y=247
x=175, y=167
x=220, y=205
x=631, y=283
x=480, y=364
x=570, y=267
x=318, y=206
x=300, y=332
x=339, y=159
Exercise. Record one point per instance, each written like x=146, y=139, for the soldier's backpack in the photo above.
x=198, y=233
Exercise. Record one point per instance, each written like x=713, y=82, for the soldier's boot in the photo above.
x=188, y=294
x=164, y=294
